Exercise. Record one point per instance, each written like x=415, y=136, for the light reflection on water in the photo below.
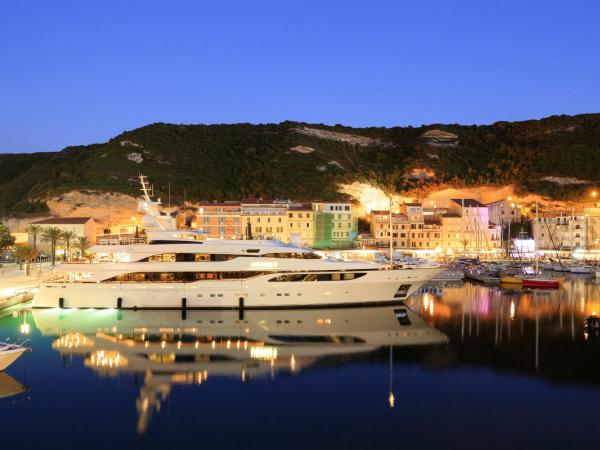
x=375, y=367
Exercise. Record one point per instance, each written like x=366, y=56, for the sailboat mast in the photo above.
x=391, y=236
x=537, y=220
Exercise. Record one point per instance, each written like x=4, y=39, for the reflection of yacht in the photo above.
x=9, y=353
x=9, y=386
x=182, y=269
x=169, y=349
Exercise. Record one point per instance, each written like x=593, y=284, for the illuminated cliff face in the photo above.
x=372, y=198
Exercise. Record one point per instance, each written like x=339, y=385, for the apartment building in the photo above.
x=220, y=220
x=344, y=225
x=466, y=227
x=265, y=219
x=301, y=224
x=504, y=211
x=564, y=232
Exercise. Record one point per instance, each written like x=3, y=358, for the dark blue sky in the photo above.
x=78, y=72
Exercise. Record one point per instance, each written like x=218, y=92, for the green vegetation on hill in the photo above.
x=217, y=162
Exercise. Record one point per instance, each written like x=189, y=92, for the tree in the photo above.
x=81, y=244
x=24, y=254
x=67, y=238
x=52, y=235
x=34, y=230
x=6, y=239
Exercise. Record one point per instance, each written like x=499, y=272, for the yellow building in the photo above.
x=466, y=228
x=300, y=225
x=265, y=220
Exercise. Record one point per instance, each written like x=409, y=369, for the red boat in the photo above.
x=543, y=283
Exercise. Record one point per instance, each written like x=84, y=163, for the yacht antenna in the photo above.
x=144, y=189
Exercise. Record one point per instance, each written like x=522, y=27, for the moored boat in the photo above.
x=541, y=282
x=511, y=279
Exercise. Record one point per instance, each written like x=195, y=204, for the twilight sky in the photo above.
x=78, y=72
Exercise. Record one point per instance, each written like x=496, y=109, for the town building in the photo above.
x=503, y=212
x=301, y=225
x=81, y=226
x=265, y=219
x=220, y=220
x=466, y=228
x=344, y=225
x=555, y=231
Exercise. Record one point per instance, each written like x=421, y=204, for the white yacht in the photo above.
x=177, y=268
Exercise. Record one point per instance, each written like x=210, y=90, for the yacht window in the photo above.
x=298, y=255
x=402, y=291
x=336, y=276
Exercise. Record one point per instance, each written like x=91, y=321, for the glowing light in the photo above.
x=263, y=353
x=293, y=363
x=513, y=308
x=212, y=344
x=263, y=264
x=25, y=328
x=163, y=344
x=391, y=400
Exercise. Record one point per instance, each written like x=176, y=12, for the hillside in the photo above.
x=557, y=156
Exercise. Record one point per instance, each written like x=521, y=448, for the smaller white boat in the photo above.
x=9, y=353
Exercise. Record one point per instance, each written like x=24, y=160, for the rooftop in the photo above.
x=63, y=221
x=468, y=202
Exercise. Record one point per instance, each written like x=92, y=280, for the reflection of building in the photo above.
x=169, y=349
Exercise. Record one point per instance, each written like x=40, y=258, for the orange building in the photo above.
x=220, y=220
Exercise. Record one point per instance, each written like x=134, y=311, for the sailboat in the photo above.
x=538, y=281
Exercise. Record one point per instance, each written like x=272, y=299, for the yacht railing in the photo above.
x=119, y=240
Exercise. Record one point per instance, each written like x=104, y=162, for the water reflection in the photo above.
x=534, y=331
x=165, y=349
x=9, y=386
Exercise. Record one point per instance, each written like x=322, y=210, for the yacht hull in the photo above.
x=377, y=286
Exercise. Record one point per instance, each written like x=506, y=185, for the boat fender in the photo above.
x=61, y=302
x=119, y=303
x=241, y=308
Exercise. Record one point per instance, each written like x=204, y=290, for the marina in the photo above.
x=158, y=374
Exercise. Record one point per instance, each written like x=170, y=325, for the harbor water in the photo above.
x=460, y=366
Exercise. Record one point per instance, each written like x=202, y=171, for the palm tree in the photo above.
x=34, y=230
x=52, y=235
x=24, y=254
x=67, y=238
x=81, y=244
